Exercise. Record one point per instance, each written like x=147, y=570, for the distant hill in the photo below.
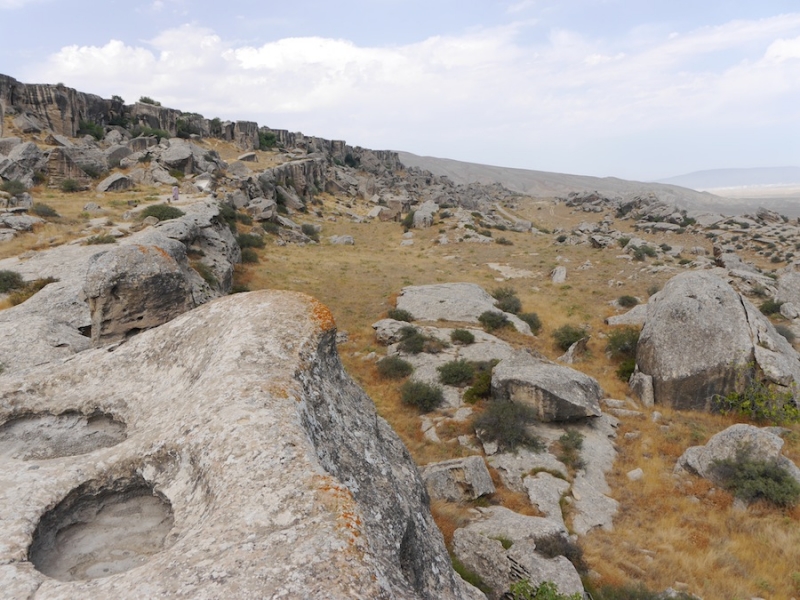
x=547, y=185
x=728, y=178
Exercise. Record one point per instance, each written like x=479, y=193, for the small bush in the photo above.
x=533, y=321
x=622, y=342
x=398, y=314
x=309, y=230
x=462, y=336
x=506, y=423
x=43, y=210
x=270, y=227
x=492, y=320
x=266, y=140
x=771, y=307
x=13, y=187
x=627, y=301
x=101, y=239
x=760, y=403
x=394, y=367
x=91, y=128
x=626, y=369
x=623, y=241
x=507, y=300
x=481, y=383
x=250, y=240
x=249, y=255
x=558, y=545
x=456, y=372
x=423, y=396
x=10, y=280
x=70, y=186
x=148, y=100
x=751, y=479
x=411, y=341
x=162, y=212
x=408, y=221
x=566, y=335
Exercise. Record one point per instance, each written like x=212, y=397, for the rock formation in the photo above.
x=268, y=466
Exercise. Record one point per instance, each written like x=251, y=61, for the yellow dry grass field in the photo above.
x=667, y=530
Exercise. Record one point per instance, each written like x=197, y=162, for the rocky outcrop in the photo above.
x=245, y=429
x=457, y=480
x=557, y=393
x=702, y=338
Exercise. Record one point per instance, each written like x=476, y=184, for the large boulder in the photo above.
x=246, y=433
x=459, y=479
x=557, y=393
x=702, y=338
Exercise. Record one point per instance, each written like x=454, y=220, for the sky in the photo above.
x=637, y=89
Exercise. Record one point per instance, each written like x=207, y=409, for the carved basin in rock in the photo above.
x=44, y=436
x=100, y=530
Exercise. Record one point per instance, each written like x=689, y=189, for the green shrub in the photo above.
x=533, y=321
x=10, y=280
x=507, y=300
x=398, y=314
x=70, y=186
x=456, y=372
x=408, y=221
x=411, y=340
x=266, y=140
x=101, y=239
x=160, y=134
x=481, y=383
x=627, y=301
x=423, y=396
x=771, y=307
x=623, y=341
x=623, y=241
x=566, y=335
x=506, y=423
x=492, y=320
x=270, y=227
x=752, y=479
x=462, y=336
x=244, y=218
x=162, y=212
x=13, y=187
x=309, y=230
x=523, y=590
x=91, y=128
x=394, y=367
x=149, y=100
x=760, y=403
x=250, y=240
x=249, y=255
x=626, y=369
x=571, y=443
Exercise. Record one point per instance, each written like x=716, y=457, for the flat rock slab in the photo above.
x=458, y=479
x=281, y=478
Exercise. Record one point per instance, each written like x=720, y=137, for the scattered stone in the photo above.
x=635, y=475
x=558, y=275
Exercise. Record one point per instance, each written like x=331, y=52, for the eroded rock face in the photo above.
x=702, y=338
x=458, y=479
x=557, y=393
x=281, y=478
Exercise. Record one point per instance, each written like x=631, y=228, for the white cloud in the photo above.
x=455, y=90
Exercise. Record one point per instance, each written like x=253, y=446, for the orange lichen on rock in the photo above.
x=322, y=315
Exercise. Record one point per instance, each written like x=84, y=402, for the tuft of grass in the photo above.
x=394, y=367
x=506, y=424
x=421, y=395
x=103, y=238
x=622, y=342
x=19, y=295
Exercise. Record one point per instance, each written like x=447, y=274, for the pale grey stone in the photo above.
x=458, y=479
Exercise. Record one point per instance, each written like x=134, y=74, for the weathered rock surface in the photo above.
x=241, y=418
x=703, y=338
x=452, y=302
x=762, y=443
x=557, y=393
x=458, y=480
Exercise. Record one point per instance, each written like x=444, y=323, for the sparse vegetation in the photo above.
x=760, y=403
x=492, y=320
x=266, y=140
x=43, y=210
x=481, y=387
x=507, y=300
x=462, y=336
x=70, y=186
x=250, y=240
x=623, y=341
x=533, y=321
x=249, y=256
x=19, y=295
x=771, y=307
x=206, y=273
x=571, y=443
x=524, y=590
x=421, y=395
x=310, y=231
x=102, y=238
x=506, y=423
x=91, y=128
x=149, y=100
x=13, y=187
x=10, y=280
x=456, y=372
x=398, y=314
x=627, y=301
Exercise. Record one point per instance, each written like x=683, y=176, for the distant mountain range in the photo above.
x=727, y=178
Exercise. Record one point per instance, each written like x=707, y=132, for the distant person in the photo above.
x=175, y=193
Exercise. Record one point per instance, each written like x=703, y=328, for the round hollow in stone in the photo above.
x=43, y=436
x=98, y=531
